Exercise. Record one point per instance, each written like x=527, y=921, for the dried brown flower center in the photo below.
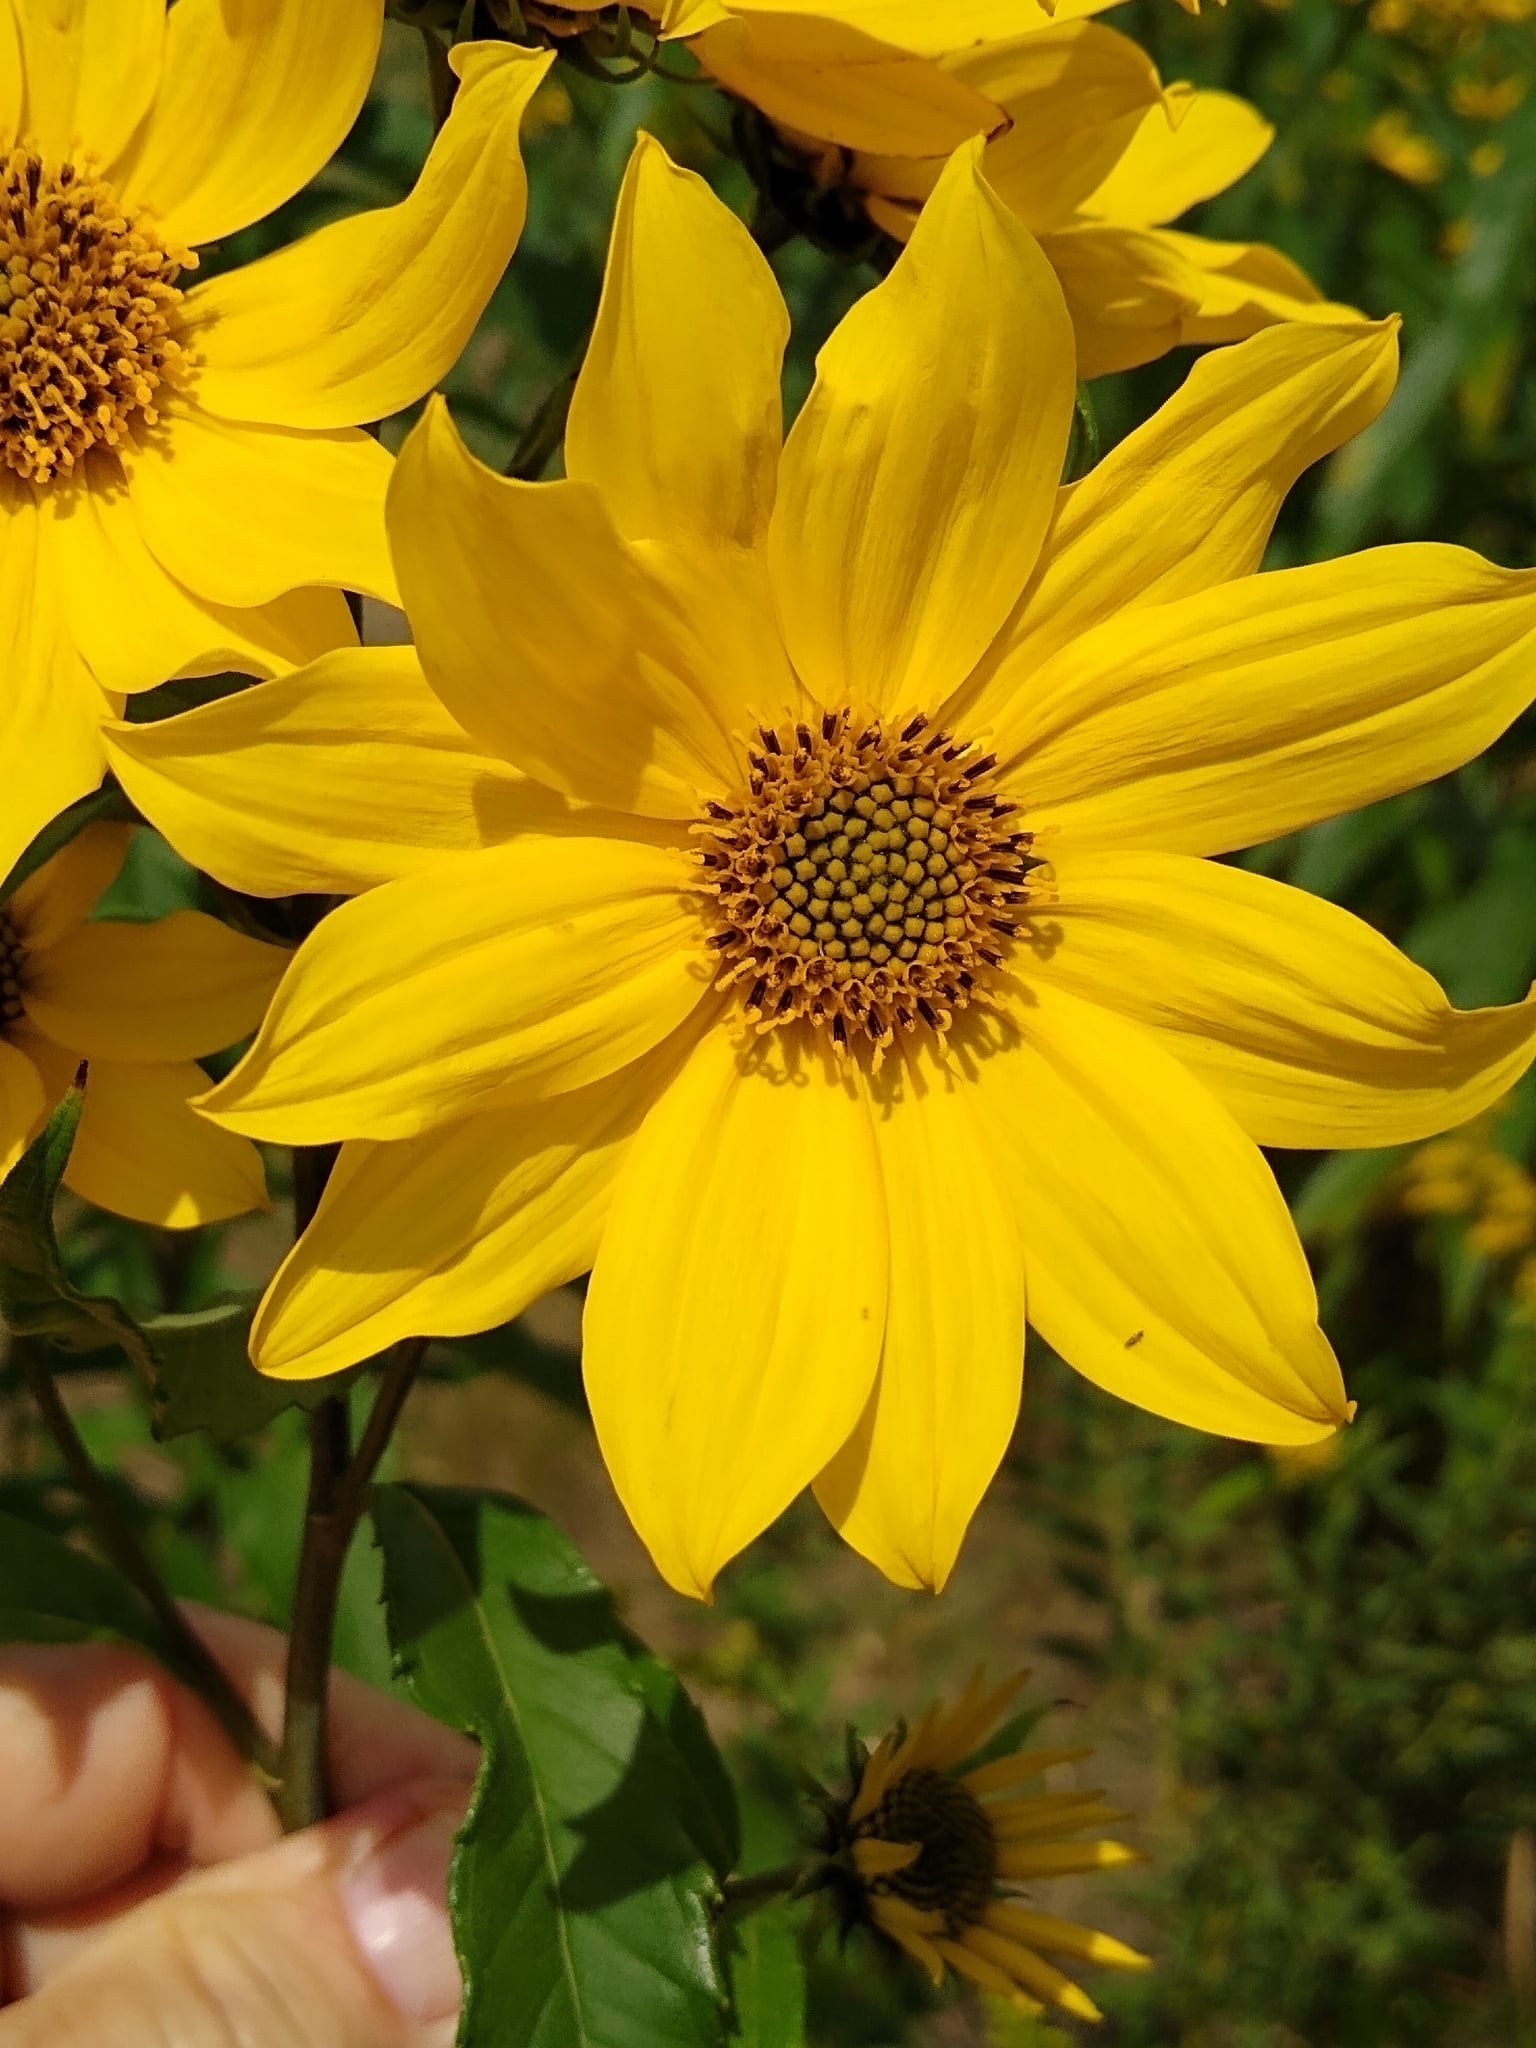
x=956, y=1864
x=869, y=881
x=89, y=305
x=13, y=960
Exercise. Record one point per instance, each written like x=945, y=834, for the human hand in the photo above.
x=147, y=1897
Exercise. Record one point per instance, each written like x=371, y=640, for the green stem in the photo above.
x=757, y=1890
x=195, y=1662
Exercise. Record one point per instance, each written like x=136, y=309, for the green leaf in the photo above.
x=52, y=1593
x=582, y=1891
x=106, y=806
x=197, y=1365
x=767, y=1979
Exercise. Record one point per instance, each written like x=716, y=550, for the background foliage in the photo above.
x=1315, y=1678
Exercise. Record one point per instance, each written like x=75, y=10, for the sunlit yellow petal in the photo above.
x=677, y=413
x=329, y=781
x=1188, y=500
x=1030, y=1972
x=933, y=31
x=971, y=1718
x=1162, y=1261
x=1063, y=1937
x=175, y=989
x=1064, y=1859
x=22, y=1104
x=903, y=1489
x=918, y=481
x=142, y=1151
x=1308, y=1025
x=1169, y=166
x=11, y=82
x=540, y=964
x=982, y=1970
x=65, y=889
x=1128, y=290
x=713, y=1271
x=577, y=668
x=91, y=71
x=1266, y=704
x=363, y=316
x=455, y=1231
x=1242, y=287
x=240, y=513
x=256, y=95
x=903, y=1923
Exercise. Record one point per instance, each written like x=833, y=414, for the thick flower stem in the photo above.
x=739, y=1893
x=194, y=1661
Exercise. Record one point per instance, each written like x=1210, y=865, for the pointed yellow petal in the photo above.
x=577, y=667
x=51, y=902
x=1241, y=287
x=969, y=1961
x=1063, y=1859
x=347, y=774
x=1063, y=1937
x=877, y=1775
x=758, y=1327
x=1303, y=1020
x=874, y=1858
x=176, y=989
x=1005, y=1771
x=919, y=479
x=22, y=1104
x=240, y=514
x=455, y=1231
x=363, y=316
x=256, y=95
x=1264, y=705
x=677, y=416
x=91, y=71
x=1188, y=500
x=1129, y=293
x=904, y=1924
x=136, y=626
x=1052, y=1813
x=933, y=31
x=1162, y=1261
x=1168, y=166
x=903, y=1488
x=538, y=965
x=973, y=1717
x=1040, y=1979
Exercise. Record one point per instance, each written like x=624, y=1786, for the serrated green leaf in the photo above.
x=767, y=1976
x=582, y=1900
x=52, y=1593
x=204, y=1378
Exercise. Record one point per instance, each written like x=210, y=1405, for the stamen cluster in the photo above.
x=955, y=1868
x=88, y=309
x=12, y=964
x=866, y=880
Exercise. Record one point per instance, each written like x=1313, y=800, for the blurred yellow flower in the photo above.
x=142, y=1003
x=862, y=981
x=1393, y=142
x=178, y=465
x=933, y=1850
x=1467, y=1176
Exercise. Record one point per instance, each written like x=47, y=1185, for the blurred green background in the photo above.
x=1314, y=1679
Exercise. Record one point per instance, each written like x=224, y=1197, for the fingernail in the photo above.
x=397, y=1901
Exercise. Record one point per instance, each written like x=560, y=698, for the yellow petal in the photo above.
x=65, y=890
x=1063, y=1937
x=362, y=317
x=538, y=965
x=22, y=1104
x=329, y=781
x=51, y=708
x=905, y=1925
x=934, y=31
x=1128, y=290
x=577, y=666
x=677, y=416
x=1064, y=1859
x=1050, y=1813
x=1188, y=500
x=957, y=1732
x=733, y=1321
x=1073, y=92
x=1250, y=710
x=1169, y=166
x=172, y=990
x=455, y=1231
x=1305, y=1022
x=903, y=1488
x=918, y=481
x=1242, y=287
x=91, y=71
x=256, y=95
x=1030, y=1972
x=137, y=626
x=875, y=1858
x=239, y=514
x=142, y=1150
x=1162, y=1262
x=832, y=80
x=982, y=1970
x=1006, y=1771
x=12, y=86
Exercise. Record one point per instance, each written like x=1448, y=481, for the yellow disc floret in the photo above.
x=867, y=880
x=89, y=306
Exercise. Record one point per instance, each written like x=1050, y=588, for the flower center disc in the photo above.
x=866, y=880
x=88, y=307
x=12, y=962
x=956, y=1864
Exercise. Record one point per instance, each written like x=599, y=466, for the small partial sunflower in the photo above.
x=933, y=1850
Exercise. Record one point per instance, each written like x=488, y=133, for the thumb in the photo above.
x=334, y=1938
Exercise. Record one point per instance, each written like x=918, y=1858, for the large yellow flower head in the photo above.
x=141, y=1004
x=856, y=985
x=177, y=458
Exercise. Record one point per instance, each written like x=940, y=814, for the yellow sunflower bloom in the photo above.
x=1099, y=158
x=179, y=466
x=934, y=1851
x=863, y=984
x=141, y=1003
